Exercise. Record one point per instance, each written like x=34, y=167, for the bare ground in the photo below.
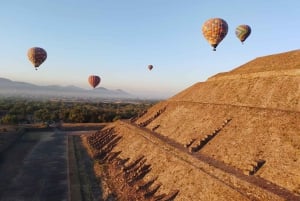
x=83, y=183
x=42, y=169
x=48, y=166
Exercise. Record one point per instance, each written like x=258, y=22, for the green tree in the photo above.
x=42, y=115
x=9, y=119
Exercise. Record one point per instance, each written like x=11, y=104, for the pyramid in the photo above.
x=235, y=136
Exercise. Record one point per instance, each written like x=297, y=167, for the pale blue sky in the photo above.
x=117, y=39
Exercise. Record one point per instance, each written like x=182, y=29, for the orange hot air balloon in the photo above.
x=150, y=67
x=214, y=31
x=242, y=32
x=94, y=80
x=37, y=56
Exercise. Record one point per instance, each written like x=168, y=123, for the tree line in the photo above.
x=16, y=111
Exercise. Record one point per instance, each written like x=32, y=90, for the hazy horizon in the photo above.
x=26, y=88
x=117, y=40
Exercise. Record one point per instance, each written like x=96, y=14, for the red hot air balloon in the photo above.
x=37, y=56
x=150, y=67
x=242, y=32
x=94, y=80
x=214, y=31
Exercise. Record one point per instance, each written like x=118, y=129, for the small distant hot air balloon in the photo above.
x=150, y=67
x=94, y=80
x=242, y=32
x=37, y=56
x=214, y=31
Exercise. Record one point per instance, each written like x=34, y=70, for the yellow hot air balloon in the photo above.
x=242, y=32
x=214, y=31
x=94, y=80
x=37, y=56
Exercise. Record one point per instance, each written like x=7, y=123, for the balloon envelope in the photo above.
x=150, y=67
x=37, y=56
x=94, y=80
x=242, y=32
x=214, y=31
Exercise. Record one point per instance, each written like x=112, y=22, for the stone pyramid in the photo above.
x=235, y=136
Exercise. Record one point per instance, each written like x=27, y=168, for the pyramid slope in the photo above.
x=253, y=134
x=255, y=84
x=278, y=92
x=173, y=172
x=276, y=62
x=243, y=126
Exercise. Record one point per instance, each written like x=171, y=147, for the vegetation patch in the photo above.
x=24, y=111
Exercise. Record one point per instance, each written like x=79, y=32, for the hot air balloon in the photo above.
x=94, y=80
x=37, y=56
x=150, y=67
x=242, y=32
x=214, y=30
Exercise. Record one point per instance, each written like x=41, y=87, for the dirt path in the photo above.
x=84, y=185
x=43, y=172
x=8, y=167
x=257, y=181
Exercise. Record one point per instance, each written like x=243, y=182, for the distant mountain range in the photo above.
x=9, y=88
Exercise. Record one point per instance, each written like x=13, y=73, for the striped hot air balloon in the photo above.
x=94, y=80
x=214, y=31
x=37, y=56
x=242, y=32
